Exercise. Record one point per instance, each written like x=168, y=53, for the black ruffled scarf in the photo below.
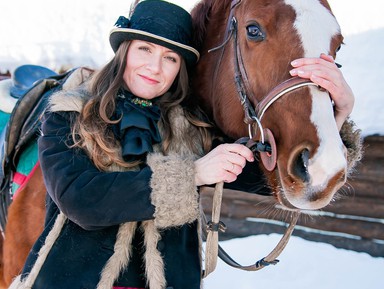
x=137, y=130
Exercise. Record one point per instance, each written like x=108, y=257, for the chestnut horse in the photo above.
x=253, y=43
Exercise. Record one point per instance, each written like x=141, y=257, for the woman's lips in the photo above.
x=149, y=79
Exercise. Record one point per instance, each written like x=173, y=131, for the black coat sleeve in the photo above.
x=87, y=196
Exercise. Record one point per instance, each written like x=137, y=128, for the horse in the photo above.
x=242, y=82
x=243, y=74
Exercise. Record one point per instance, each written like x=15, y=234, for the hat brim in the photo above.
x=119, y=35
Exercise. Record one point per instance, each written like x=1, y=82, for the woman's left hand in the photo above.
x=324, y=72
x=222, y=164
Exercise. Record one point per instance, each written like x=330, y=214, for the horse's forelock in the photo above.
x=199, y=18
x=201, y=15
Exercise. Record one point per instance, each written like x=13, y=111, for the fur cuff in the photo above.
x=351, y=137
x=174, y=193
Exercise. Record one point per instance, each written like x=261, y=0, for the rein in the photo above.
x=266, y=147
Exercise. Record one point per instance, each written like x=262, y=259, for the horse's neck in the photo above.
x=7, y=102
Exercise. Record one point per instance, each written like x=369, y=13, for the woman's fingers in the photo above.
x=324, y=72
x=224, y=163
x=234, y=168
x=238, y=150
x=321, y=67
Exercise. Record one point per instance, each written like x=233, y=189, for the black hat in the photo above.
x=159, y=22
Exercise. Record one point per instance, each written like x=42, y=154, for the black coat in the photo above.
x=92, y=206
x=87, y=239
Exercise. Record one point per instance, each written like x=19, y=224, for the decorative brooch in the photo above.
x=142, y=102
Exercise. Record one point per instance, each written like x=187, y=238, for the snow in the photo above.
x=75, y=33
x=303, y=265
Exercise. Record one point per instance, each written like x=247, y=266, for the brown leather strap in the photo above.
x=227, y=36
x=280, y=90
x=213, y=250
x=271, y=258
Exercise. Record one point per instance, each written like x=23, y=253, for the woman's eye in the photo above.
x=144, y=48
x=171, y=58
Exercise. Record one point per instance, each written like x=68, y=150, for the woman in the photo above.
x=122, y=156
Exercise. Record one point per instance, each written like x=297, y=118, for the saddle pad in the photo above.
x=27, y=162
x=4, y=117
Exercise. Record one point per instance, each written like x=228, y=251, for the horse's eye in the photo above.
x=338, y=48
x=255, y=33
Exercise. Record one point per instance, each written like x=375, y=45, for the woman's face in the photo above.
x=151, y=69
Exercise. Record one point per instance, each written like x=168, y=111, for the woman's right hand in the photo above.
x=324, y=72
x=222, y=164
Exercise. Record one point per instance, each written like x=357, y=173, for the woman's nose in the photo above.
x=155, y=64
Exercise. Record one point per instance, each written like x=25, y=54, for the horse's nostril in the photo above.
x=300, y=165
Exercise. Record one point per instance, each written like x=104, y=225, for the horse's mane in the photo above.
x=201, y=14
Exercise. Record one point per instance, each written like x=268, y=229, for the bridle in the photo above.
x=266, y=146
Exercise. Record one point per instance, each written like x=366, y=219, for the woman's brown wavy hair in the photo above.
x=92, y=129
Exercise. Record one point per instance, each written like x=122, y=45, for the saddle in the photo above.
x=14, y=87
x=32, y=85
x=25, y=76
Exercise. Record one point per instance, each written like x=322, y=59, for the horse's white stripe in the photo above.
x=330, y=157
x=316, y=26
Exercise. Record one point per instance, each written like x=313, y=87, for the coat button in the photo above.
x=160, y=247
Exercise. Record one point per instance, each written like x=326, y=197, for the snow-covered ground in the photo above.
x=75, y=33
x=303, y=265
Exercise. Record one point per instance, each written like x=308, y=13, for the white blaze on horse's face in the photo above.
x=316, y=26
